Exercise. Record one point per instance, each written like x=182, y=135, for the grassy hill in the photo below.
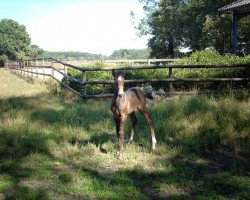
x=52, y=148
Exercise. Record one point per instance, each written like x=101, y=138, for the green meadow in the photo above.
x=57, y=147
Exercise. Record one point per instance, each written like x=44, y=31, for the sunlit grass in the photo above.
x=51, y=148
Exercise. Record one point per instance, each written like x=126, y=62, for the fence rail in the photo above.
x=59, y=67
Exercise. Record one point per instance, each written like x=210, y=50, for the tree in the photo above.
x=163, y=21
x=36, y=51
x=130, y=54
x=14, y=40
x=244, y=36
x=204, y=27
x=72, y=54
x=175, y=24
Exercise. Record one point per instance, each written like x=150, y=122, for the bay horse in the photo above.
x=124, y=104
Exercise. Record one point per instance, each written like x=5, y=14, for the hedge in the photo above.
x=200, y=57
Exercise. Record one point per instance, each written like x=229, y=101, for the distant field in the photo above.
x=52, y=148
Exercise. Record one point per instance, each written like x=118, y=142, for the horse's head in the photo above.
x=119, y=83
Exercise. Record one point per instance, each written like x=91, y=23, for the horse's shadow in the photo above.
x=98, y=140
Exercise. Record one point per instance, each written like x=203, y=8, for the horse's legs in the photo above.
x=121, y=133
x=133, y=124
x=117, y=124
x=116, y=119
x=150, y=122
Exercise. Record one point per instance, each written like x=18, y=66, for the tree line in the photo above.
x=117, y=54
x=15, y=44
x=71, y=54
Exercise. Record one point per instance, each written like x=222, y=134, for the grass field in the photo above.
x=55, y=148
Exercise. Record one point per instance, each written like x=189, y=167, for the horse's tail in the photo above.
x=149, y=94
x=148, y=91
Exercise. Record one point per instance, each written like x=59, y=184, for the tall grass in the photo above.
x=202, y=123
x=51, y=149
x=55, y=149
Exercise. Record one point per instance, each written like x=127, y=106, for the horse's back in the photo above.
x=136, y=95
x=137, y=91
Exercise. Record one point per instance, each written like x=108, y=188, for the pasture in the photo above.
x=57, y=148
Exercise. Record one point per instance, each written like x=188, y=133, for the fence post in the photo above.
x=65, y=79
x=43, y=69
x=24, y=68
x=84, y=78
x=32, y=67
x=248, y=83
x=52, y=70
x=36, y=68
x=65, y=69
x=170, y=73
x=28, y=68
x=21, y=67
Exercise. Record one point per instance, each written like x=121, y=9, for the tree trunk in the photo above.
x=170, y=47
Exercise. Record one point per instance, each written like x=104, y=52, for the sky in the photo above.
x=94, y=26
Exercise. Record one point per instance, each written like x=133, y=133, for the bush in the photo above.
x=99, y=75
x=3, y=59
x=205, y=57
x=209, y=57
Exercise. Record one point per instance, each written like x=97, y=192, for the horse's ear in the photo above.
x=113, y=72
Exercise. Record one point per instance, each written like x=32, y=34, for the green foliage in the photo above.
x=72, y=54
x=164, y=22
x=14, y=40
x=92, y=89
x=130, y=54
x=194, y=24
x=210, y=57
x=36, y=51
x=206, y=57
x=3, y=59
x=117, y=54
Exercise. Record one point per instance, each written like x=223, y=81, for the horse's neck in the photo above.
x=116, y=92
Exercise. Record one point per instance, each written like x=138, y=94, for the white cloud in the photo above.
x=91, y=27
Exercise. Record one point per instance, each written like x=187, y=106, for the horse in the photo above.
x=124, y=104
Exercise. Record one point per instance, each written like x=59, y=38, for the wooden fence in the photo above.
x=38, y=67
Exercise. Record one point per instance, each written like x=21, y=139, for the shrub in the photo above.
x=99, y=75
x=209, y=57
x=205, y=57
